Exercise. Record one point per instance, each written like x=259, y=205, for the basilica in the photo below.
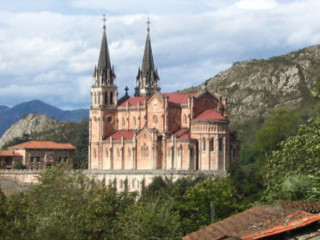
x=152, y=130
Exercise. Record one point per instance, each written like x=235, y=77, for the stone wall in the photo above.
x=131, y=180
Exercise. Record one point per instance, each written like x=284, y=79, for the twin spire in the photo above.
x=104, y=74
x=147, y=78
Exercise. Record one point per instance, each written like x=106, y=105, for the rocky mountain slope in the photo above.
x=29, y=124
x=9, y=116
x=256, y=87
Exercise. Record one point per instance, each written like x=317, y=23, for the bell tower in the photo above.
x=147, y=78
x=104, y=90
x=104, y=99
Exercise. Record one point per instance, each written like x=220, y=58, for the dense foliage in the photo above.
x=280, y=160
x=68, y=205
x=293, y=170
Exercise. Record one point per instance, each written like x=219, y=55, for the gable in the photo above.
x=205, y=101
x=155, y=102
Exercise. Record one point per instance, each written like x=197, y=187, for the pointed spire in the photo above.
x=147, y=77
x=105, y=72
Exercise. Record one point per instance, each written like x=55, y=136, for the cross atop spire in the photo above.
x=104, y=73
x=148, y=24
x=147, y=79
x=104, y=21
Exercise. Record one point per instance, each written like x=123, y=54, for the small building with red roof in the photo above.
x=42, y=154
x=8, y=158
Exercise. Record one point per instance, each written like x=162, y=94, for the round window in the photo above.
x=109, y=119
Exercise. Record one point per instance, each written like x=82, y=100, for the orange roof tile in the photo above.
x=183, y=133
x=185, y=136
x=126, y=134
x=179, y=98
x=259, y=222
x=133, y=101
x=210, y=115
x=43, y=145
x=9, y=153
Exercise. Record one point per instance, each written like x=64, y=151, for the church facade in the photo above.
x=154, y=130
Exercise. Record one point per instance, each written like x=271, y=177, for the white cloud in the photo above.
x=50, y=53
x=256, y=4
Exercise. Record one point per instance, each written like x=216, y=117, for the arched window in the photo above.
x=107, y=152
x=155, y=119
x=144, y=151
x=134, y=121
x=203, y=144
x=111, y=98
x=129, y=152
x=99, y=94
x=95, y=98
x=212, y=144
x=95, y=153
x=123, y=122
x=106, y=98
x=118, y=152
x=220, y=144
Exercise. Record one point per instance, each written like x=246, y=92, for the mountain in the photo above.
x=9, y=116
x=255, y=88
x=2, y=108
x=29, y=124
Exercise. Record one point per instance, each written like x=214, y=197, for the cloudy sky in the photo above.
x=48, y=48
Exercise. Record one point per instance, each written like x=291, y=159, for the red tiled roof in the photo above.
x=258, y=222
x=126, y=134
x=210, y=115
x=183, y=133
x=179, y=98
x=43, y=145
x=9, y=153
x=133, y=101
x=185, y=136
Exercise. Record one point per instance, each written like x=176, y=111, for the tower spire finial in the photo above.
x=148, y=24
x=104, y=21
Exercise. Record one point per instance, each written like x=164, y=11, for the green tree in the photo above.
x=298, y=155
x=299, y=187
x=19, y=165
x=66, y=205
x=280, y=125
x=198, y=198
x=152, y=218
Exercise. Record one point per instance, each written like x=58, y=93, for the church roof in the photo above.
x=210, y=115
x=179, y=98
x=43, y=145
x=133, y=101
x=126, y=134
